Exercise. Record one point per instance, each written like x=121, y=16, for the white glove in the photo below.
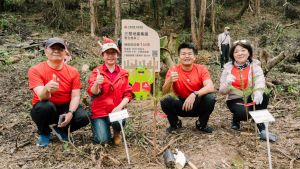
x=258, y=97
x=230, y=78
x=180, y=160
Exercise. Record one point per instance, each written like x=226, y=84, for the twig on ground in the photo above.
x=167, y=146
x=292, y=163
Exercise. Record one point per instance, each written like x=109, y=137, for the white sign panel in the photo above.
x=120, y=115
x=262, y=116
x=140, y=44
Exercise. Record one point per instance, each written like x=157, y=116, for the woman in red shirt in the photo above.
x=110, y=90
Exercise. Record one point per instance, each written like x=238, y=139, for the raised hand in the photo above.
x=174, y=76
x=99, y=78
x=230, y=78
x=52, y=85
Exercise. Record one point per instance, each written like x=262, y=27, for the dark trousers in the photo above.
x=239, y=111
x=224, y=56
x=45, y=113
x=202, y=108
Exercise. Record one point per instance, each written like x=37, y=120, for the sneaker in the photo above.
x=43, y=140
x=263, y=136
x=172, y=129
x=205, y=129
x=62, y=136
x=117, y=139
x=235, y=125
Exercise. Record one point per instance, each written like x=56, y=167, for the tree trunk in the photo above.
x=111, y=13
x=93, y=17
x=193, y=24
x=118, y=19
x=242, y=11
x=105, y=4
x=155, y=13
x=213, y=18
x=202, y=14
x=187, y=17
x=1, y=5
x=266, y=63
x=257, y=7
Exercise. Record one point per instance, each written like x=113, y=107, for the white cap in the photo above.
x=107, y=46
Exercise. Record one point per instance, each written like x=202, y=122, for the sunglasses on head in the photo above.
x=241, y=41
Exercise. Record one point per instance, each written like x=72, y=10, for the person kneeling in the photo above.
x=56, y=94
x=241, y=74
x=193, y=88
x=110, y=91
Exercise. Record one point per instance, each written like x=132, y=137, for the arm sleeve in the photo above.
x=34, y=78
x=259, y=78
x=76, y=80
x=205, y=74
x=219, y=41
x=128, y=90
x=223, y=89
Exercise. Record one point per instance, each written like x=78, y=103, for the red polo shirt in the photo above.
x=188, y=81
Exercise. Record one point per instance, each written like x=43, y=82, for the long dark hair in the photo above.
x=245, y=44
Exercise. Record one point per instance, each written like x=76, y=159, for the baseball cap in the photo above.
x=227, y=28
x=107, y=46
x=55, y=40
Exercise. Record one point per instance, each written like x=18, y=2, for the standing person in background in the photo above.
x=56, y=94
x=109, y=87
x=224, y=43
x=105, y=39
x=243, y=74
x=193, y=88
x=119, y=60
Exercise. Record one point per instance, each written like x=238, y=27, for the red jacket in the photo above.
x=112, y=92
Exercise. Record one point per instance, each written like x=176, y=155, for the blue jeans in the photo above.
x=101, y=129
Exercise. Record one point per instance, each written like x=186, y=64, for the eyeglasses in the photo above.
x=241, y=41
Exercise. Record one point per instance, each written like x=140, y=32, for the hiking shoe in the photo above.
x=235, y=125
x=263, y=136
x=43, y=140
x=205, y=129
x=117, y=139
x=172, y=129
x=62, y=136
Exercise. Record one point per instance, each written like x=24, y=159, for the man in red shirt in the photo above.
x=56, y=94
x=192, y=85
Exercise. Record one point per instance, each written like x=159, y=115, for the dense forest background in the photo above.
x=271, y=25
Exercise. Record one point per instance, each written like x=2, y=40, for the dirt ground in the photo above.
x=224, y=148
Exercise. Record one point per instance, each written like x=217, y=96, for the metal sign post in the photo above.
x=264, y=116
x=119, y=116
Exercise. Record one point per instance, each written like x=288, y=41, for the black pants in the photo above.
x=202, y=108
x=224, y=56
x=45, y=113
x=239, y=111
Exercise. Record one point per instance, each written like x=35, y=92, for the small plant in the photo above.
x=238, y=163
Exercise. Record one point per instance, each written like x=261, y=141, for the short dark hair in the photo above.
x=245, y=44
x=188, y=45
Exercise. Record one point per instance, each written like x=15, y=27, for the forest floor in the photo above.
x=224, y=148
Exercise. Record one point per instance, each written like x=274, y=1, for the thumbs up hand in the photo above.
x=99, y=78
x=52, y=85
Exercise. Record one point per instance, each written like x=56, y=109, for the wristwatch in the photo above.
x=195, y=93
x=70, y=111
